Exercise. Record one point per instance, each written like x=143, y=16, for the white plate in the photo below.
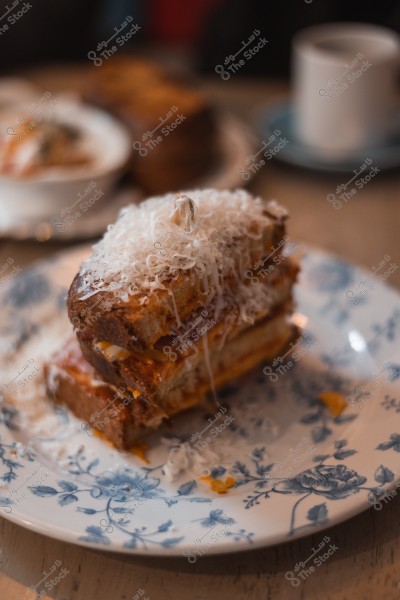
x=61, y=482
x=236, y=144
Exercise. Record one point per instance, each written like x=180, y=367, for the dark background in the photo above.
x=201, y=31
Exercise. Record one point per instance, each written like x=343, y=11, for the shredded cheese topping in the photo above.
x=148, y=246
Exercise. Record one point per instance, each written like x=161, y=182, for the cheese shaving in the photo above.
x=146, y=248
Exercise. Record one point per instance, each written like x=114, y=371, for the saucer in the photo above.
x=281, y=117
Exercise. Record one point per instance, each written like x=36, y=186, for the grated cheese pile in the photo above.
x=147, y=247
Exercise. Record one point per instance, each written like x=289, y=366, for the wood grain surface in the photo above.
x=367, y=562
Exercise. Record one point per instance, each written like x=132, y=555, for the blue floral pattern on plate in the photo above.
x=102, y=497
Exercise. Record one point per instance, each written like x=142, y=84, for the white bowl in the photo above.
x=15, y=91
x=53, y=191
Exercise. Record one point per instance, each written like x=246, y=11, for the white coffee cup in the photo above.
x=344, y=77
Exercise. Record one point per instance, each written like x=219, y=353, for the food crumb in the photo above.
x=334, y=401
x=219, y=486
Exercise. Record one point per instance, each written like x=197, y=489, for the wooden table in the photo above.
x=367, y=562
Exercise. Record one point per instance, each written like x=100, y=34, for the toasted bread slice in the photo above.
x=107, y=356
x=138, y=323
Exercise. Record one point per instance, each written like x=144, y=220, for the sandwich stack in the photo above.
x=184, y=293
